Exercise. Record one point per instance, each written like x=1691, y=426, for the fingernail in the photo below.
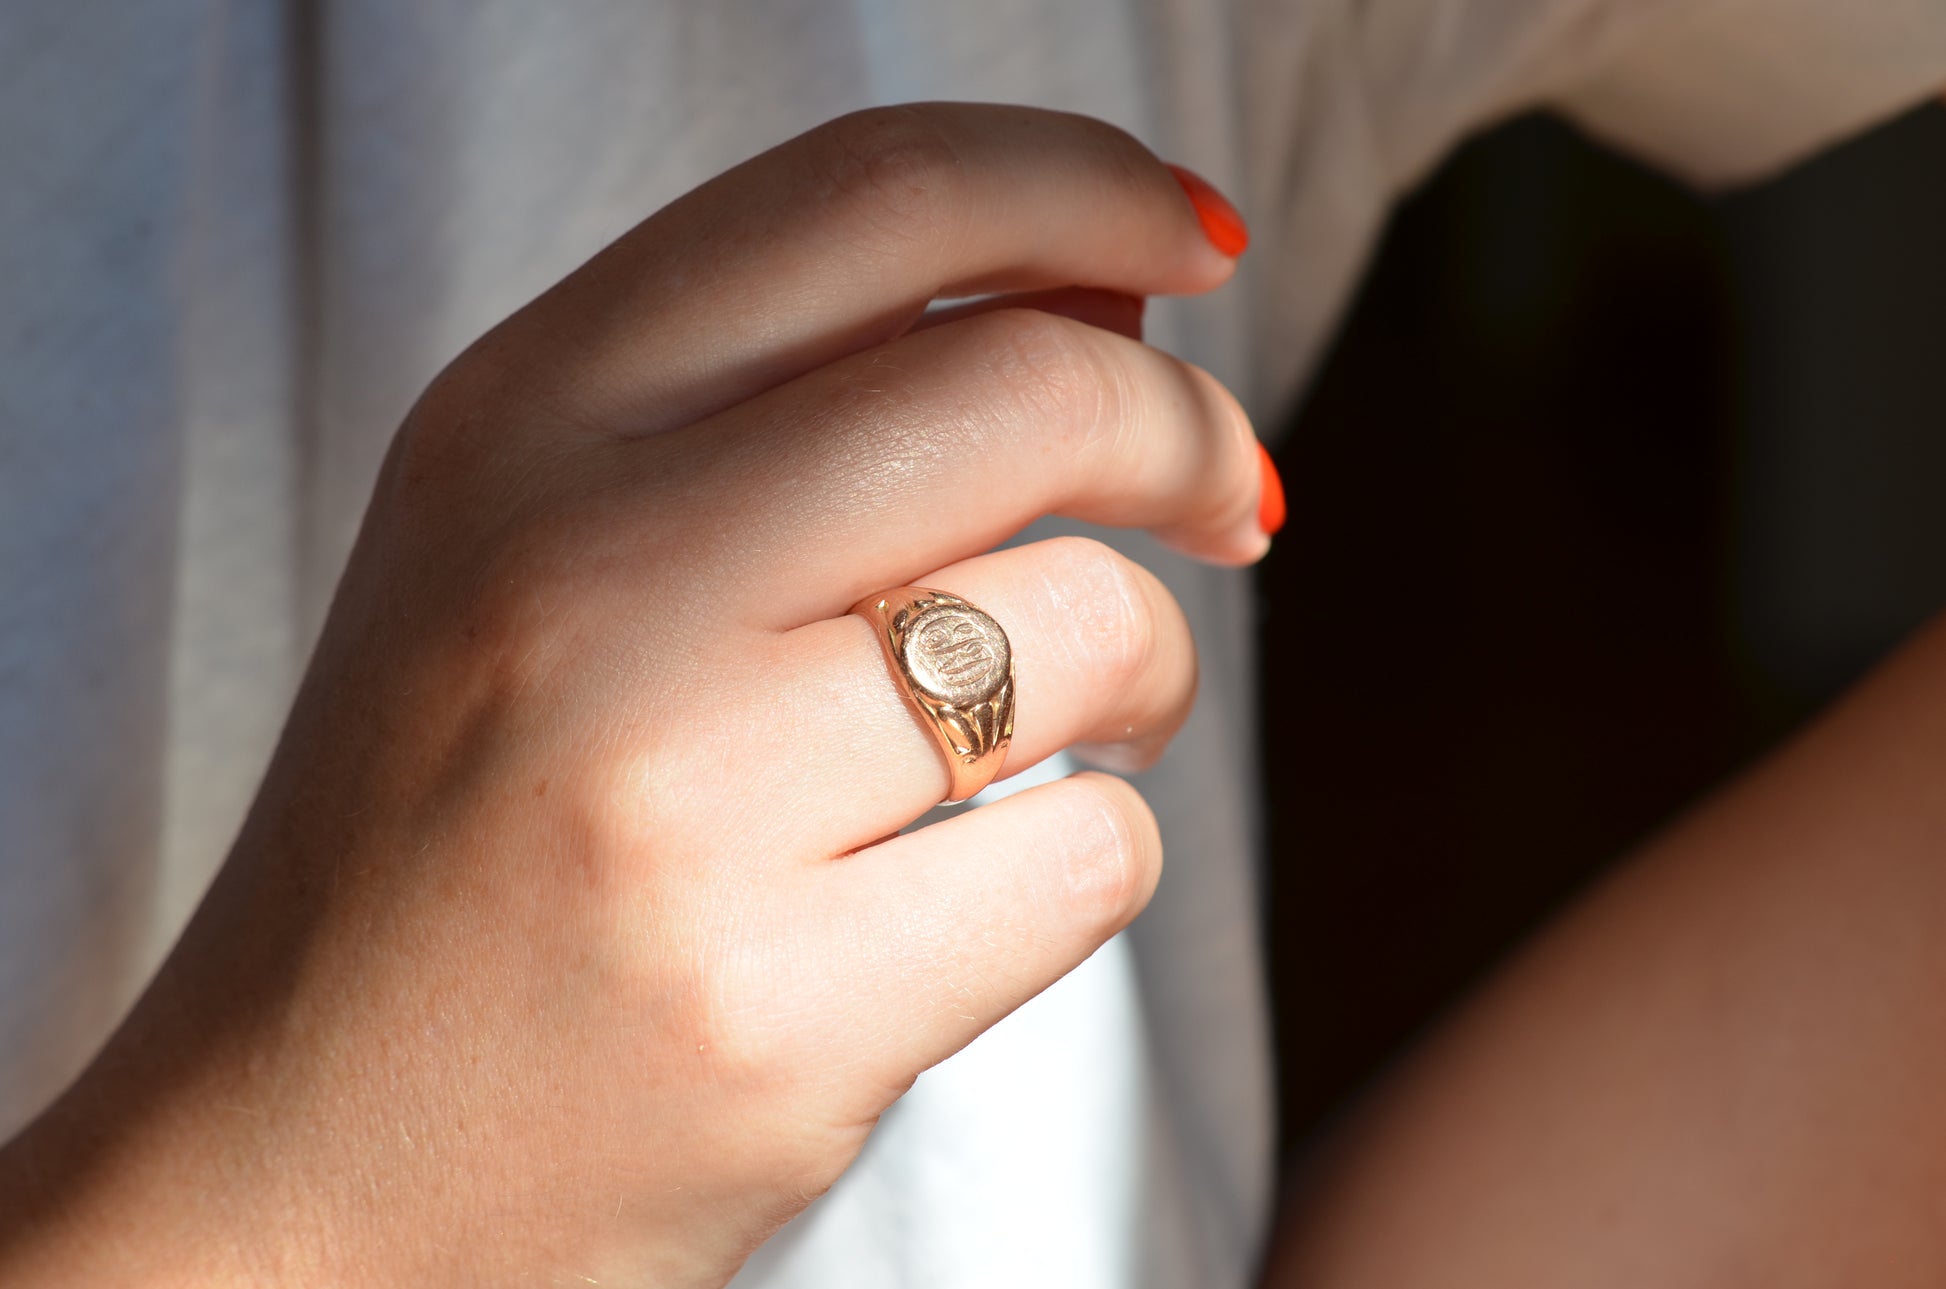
x=1270, y=500
x=1221, y=223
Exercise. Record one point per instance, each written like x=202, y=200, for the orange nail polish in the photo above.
x=1270, y=501
x=1221, y=223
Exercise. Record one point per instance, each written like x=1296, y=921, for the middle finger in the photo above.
x=882, y=467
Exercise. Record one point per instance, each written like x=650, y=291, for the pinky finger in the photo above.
x=965, y=920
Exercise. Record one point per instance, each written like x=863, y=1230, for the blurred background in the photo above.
x=1606, y=487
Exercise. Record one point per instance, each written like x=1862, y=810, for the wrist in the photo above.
x=116, y=1186
x=192, y=1153
x=159, y=1166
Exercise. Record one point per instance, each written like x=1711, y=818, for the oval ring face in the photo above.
x=956, y=654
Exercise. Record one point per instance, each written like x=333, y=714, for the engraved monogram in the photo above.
x=957, y=671
x=957, y=649
x=956, y=653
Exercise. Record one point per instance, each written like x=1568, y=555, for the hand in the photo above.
x=566, y=935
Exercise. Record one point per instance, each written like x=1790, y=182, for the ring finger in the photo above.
x=1102, y=654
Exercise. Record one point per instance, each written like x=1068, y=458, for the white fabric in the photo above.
x=237, y=237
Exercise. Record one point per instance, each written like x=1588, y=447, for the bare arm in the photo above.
x=1724, y=1069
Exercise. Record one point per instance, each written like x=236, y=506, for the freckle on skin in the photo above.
x=540, y=789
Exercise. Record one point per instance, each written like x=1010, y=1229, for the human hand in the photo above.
x=561, y=939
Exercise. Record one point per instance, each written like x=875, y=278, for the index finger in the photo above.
x=838, y=239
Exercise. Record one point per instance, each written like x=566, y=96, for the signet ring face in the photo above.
x=955, y=669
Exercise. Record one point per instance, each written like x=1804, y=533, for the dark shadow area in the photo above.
x=1605, y=487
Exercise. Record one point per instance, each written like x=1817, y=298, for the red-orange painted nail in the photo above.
x=1270, y=501
x=1221, y=224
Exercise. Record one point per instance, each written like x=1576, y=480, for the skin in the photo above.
x=519, y=974
x=545, y=953
x=1722, y=1070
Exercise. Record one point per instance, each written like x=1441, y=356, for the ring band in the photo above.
x=956, y=671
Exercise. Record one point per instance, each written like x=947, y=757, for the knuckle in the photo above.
x=894, y=169
x=1122, y=160
x=877, y=411
x=509, y=620
x=1059, y=384
x=1232, y=453
x=1217, y=458
x=1111, y=600
x=743, y=1050
x=542, y=609
x=477, y=388
x=1115, y=857
x=431, y=451
x=1117, y=144
x=714, y=983
x=471, y=437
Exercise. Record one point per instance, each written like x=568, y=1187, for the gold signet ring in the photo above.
x=954, y=666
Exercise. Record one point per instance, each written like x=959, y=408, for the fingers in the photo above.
x=1102, y=653
x=837, y=240
x=885, y=465
x=963, y=921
